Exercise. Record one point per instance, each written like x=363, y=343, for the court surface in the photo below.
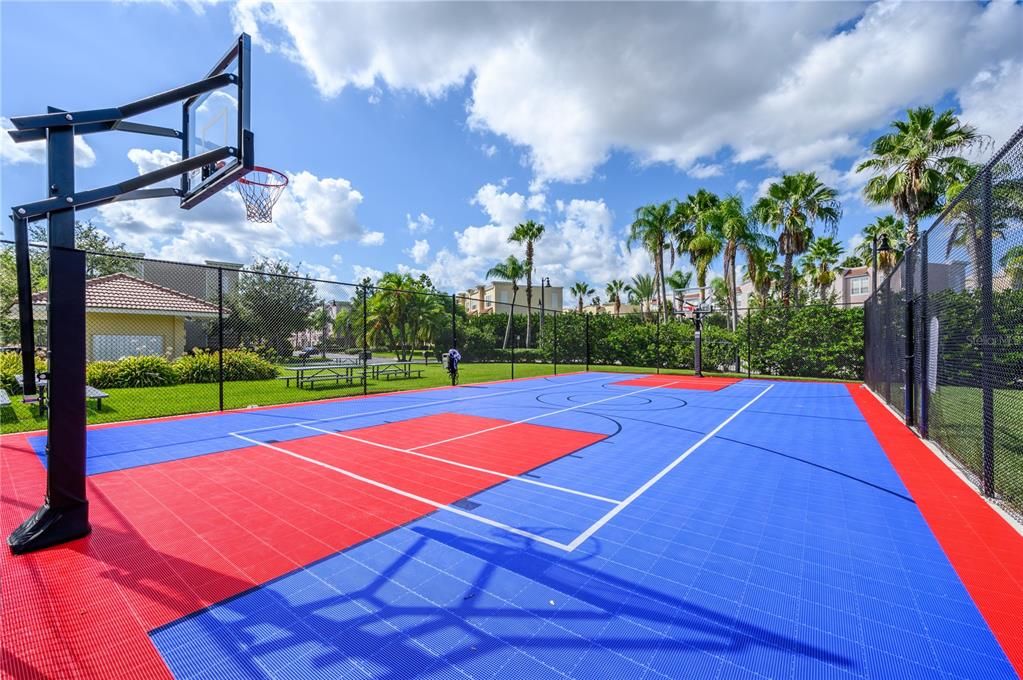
x=588, y=525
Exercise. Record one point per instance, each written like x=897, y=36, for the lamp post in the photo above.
x=544, y=282
x=884, y=247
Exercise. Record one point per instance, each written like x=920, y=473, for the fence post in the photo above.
x=749, y=344
x=925, y=340
x=365, y=339
x=220, y=333
x=511, y=320
x=657, y=345
x=987, y=337
x=586, y=335
x=555, y=345
x=908, y=379
x=454, y=333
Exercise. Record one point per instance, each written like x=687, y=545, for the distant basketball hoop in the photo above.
x=260, y=189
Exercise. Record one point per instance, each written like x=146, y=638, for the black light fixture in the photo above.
x=885, y=246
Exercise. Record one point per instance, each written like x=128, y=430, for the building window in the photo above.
x=859, y=286
x=114, y=347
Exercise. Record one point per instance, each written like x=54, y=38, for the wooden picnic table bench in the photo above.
x=40, y=398
x=395, y=369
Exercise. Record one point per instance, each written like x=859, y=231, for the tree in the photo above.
x=405, y=313
x=721, y=295
x=678, y=281
x=580, y=289
x=740, y=233
x=641, y=291
x=822, y=257
x=653, y=227
x=792, y=206
x=697, y=233
x=528, y=233
x=512, y=270
x=1012, y=266
x=894, y=229
x=912, y=165
x=614, y=290
x=105, y=255
x=271, y=304
x=759, y=261
x=851, y=261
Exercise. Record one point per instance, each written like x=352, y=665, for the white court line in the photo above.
x=581, y=538
x=418, y=405
x=406, y=494
x=412, y=452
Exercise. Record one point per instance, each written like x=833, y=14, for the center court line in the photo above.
x=581, y=538
x=418, y=405
x=407, y=494
x=413, y=452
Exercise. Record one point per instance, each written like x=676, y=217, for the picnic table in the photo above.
x=394, y=369
x=40, y=398
x=310, y=374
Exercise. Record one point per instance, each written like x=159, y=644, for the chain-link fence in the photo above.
x=167, y=338
x=944, y=345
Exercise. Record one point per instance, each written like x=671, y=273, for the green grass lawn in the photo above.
x=151, y=402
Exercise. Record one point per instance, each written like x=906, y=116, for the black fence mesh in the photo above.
x=943, y=340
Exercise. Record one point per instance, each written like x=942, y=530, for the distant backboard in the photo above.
x=215, y=120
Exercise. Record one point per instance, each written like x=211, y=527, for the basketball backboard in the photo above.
x=219, y=119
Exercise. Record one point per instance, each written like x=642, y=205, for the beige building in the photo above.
x=126, y=316
x=496, y=296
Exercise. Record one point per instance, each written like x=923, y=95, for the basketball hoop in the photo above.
x=260, y=189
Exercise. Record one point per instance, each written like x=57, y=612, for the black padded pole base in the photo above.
x=48, y=527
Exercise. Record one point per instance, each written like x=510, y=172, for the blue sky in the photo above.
x=417, y=135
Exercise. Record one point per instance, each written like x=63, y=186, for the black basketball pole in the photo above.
x=23, y=266
x=64, y=514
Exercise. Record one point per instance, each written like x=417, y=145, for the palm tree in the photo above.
x=912, y=164
x=678, y=281
x=894, y=229
x=740, y=233
x=720, y=294
x=614, y=290
x=652, y=228
x=696, y=233
x=528, y=233
x=851, y=261
x=580, y=290
x=1012, y=266
x=758, y=270
x=512, y=270
x=792, y=206
x=642, y=290
x=822, y=256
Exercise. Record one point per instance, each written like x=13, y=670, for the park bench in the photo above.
x=336, y=379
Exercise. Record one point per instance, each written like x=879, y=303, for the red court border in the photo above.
x=984, y=549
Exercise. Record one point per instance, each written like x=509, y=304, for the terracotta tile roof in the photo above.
x=122, y=291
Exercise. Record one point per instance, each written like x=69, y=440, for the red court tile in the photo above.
x=985, y=551
x=172, y=538
x=681, y=382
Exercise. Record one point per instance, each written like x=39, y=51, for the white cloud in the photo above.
x=789, y=84
x=34, y=153
x=337, y=259
x=764, y=185
x=360, y=272
x=419, y=224
x=703, y=171
x=489, y=150
x=742, y=185
x=312, y=210
x=372, y=238
x=991, y=101
x=419, y=251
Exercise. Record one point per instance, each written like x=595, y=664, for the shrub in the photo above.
x=102, y=374
x=198, y=367
x=144, y=371
x=241, y=364
x=10, y=365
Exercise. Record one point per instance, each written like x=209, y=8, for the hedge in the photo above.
x=198, y=367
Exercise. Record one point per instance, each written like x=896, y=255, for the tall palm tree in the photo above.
x=758, y=270
x=740, y=233
x=652, y=228
x=912, y=164
x=696, y=233
x=642, y=290
x=894, y=229
x=1012, y=266
x=614, y=290
x=512, y=270
x=580, y=290
x=822, y=256
x=792, y=206
x=528, y=233
x=678, y=281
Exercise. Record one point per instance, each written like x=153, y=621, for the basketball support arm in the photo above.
x=64, y=515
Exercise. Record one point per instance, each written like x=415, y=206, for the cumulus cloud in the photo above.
x=372, y=238
x=991, y=101
x=789, y=85
x=422, y=223
x=360, y=272
x=489, y=150
x=34, y=153
x=313, y=210
x=419, y=251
